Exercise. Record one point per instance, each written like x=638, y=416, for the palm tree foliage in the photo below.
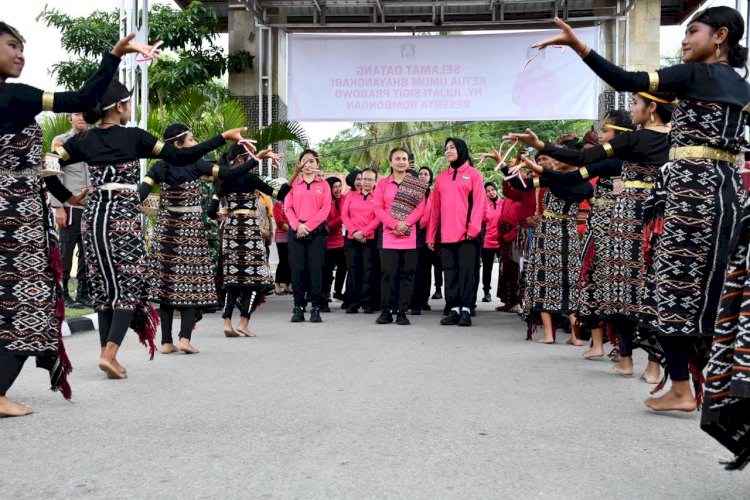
x=52, y=126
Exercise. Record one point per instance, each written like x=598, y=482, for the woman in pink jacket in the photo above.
x=458, y=203
x=398, y=253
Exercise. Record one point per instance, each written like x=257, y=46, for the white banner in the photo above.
x=438, y=78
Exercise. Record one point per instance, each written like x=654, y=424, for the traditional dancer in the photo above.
x=31, y=303
x=113, y=237
x=398, y=253
x=701, y=178
x=246, y=276
x=68, y=220
x=180, y=259
x=555, y=258
x=361, y=222
x=306, y=206
x=458, y=202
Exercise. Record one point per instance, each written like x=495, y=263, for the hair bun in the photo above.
x=94, y=115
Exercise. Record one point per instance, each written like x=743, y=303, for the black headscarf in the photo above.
x=463, y=152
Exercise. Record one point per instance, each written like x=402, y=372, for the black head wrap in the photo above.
x=463, y=152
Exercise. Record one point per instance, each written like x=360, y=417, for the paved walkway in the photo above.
x=351, y=409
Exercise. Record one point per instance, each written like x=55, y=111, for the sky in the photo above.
x=43, y=45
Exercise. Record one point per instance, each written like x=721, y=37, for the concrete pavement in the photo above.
x=351, y=409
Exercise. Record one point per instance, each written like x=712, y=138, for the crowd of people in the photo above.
x=660, y=263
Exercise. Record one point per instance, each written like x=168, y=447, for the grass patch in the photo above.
x=74, y=313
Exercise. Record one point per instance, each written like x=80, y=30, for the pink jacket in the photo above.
x=450, y=205
x=491, y=218
x=308, y=203
x=385, y=192
x=336, y=235
x=358, y=214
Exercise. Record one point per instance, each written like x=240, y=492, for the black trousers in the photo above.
x=459, y=265
x=360, y=271
x=187, y=322
x=113, y=325
x=70, y=236
x=397, y=268
x=676, y=351
x=11, y=365
x=306, y=262
x=488, y=260
x=423, y=277
x=240, y=297
x=437, y=268
x=335, y=259
x=282, y=270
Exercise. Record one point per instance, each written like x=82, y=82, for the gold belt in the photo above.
x=702, y=152
x=242, y=211
x=638, y=184
x=185, y=210
x=555, y=215
x=603, y=201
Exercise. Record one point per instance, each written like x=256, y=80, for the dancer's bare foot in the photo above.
x=573, y=340
x=244, y=330
x=10, y=408
x=111, y=369
x=672, y=401
x=594, y=352
x=288, y=289
x=625, y=366
x=547, y=340
x=168, y=348
x=652, y=373
x=187, y=347
x=277, y=290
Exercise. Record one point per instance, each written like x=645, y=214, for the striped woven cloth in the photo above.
x=410, y=192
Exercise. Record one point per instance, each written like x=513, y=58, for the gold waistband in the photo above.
x=555, y=215
x=603, y=201
x=702, y=152
x=184, y=210
x=242, y=211
x=637, y=184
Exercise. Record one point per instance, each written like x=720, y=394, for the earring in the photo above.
x=718, y=51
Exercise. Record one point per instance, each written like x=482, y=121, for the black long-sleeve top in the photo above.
x=716, y=82
x=603, y=169
x=118, y=145
x=246, y=183
x=572, y=193
x=161, y=172
x=20, y=103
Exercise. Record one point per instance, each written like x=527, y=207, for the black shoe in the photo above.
x=367, y=310
x=416, y=311
x=438, y=294
x=352, y=310
x=465, y=318
x=487, y=297
x=339, y=296
x=451, y=319
x=298, y=315
x=385, y=317
x=72, y=304
x=315, y=315
x=401, y=319
x=426, y=307
x=325, y=309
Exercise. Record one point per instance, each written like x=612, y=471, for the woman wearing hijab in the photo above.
x=458, y=202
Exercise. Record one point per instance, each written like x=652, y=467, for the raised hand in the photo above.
x=531, y=164
x=529, y=138
x=235, y=134
x=567, y=37
x=127, y=46
x=493, y=155
x=268, y=153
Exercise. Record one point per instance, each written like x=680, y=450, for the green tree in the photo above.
x=190, y=35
